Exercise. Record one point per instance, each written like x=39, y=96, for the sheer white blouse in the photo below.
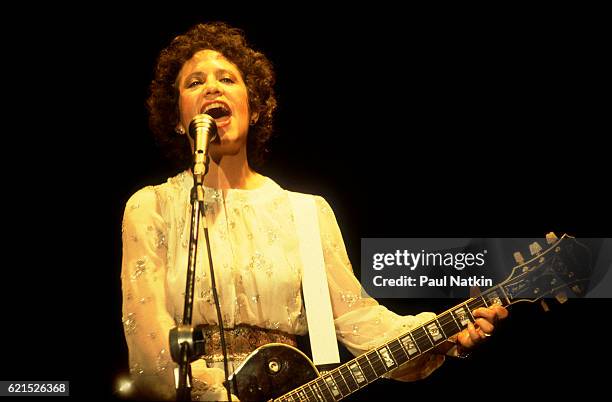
x=258, y=273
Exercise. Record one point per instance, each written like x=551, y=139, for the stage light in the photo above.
x=124, y=386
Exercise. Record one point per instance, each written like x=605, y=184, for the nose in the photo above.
x=212, y=89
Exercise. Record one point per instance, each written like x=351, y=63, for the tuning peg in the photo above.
x=551, y=238
x=576, y=289
x=518, y=257
x=535, y=248
x=561, y=297
x=544, y=306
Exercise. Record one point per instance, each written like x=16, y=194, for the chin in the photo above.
x=224, y=149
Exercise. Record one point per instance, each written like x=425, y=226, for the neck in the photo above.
x=232, y=171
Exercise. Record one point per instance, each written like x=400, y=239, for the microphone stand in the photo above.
x=186, y=345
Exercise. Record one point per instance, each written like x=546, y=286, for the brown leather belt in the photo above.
x=240, y=341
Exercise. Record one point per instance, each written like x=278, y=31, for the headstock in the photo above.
x=561, y=270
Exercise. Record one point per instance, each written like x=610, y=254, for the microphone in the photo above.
x=203, y=130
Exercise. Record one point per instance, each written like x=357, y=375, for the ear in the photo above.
x=254, y=118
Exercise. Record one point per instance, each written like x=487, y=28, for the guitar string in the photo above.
x=471, y=304
x=442, y=319
x=475, y=304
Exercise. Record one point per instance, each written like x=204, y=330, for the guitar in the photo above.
x=283, y=373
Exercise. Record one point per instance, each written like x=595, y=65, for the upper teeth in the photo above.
x=213, y=106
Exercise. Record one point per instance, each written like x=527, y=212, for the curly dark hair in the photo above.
x=257, y=72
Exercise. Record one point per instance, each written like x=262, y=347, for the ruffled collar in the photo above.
x=268, y=190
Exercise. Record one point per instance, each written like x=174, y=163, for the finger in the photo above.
x=500, y=311
x=487, y=313
x=485, y=325
x=483, y=335
x=210, y=376
x=474, y=337
x=217, y=375
x=464, y=340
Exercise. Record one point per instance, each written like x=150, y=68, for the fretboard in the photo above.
x=342, y=381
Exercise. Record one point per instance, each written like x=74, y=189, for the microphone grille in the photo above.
x=203, y=122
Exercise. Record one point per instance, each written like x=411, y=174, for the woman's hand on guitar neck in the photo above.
x=423, y=366
x=483, y=327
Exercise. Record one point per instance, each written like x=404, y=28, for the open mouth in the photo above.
x=218, y=111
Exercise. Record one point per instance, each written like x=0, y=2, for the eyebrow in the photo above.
x=221, y=71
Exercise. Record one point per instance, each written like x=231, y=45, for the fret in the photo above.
x=331, y=385
x=350, y=380
x=341, y=383
x=286, y=398
x=366, y=368
x=325, y=391
x=299, y=394
x=395, y=347
x=493, y=297
x=505, y=294
x=316, y=392
x=422, y=339
x=309, y=391
x=318, y=395
x=469, y=312
x=409, y=345
x=376, y=362
x=357, y=374
x=290, y=398
x=306, y=393
x=476, y=303
x=449, y=325
x=441, y=328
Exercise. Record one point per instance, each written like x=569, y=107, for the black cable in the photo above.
x=218, y=307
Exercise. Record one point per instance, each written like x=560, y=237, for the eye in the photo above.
x=226, y=80
x=194, y=83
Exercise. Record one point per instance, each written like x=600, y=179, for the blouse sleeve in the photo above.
x=361, y=323
x=146, y=320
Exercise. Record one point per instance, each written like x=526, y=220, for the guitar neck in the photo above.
x=359, y=372
x=565, y=265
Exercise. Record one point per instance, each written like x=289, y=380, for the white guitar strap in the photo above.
x=321, y=329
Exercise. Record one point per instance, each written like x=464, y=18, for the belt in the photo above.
x=240, y=341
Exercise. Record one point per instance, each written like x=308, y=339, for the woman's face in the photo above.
x=210, y=83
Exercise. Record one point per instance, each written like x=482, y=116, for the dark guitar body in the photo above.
x=271, y=371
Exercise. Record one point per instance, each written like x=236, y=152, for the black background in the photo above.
x=411, y=123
